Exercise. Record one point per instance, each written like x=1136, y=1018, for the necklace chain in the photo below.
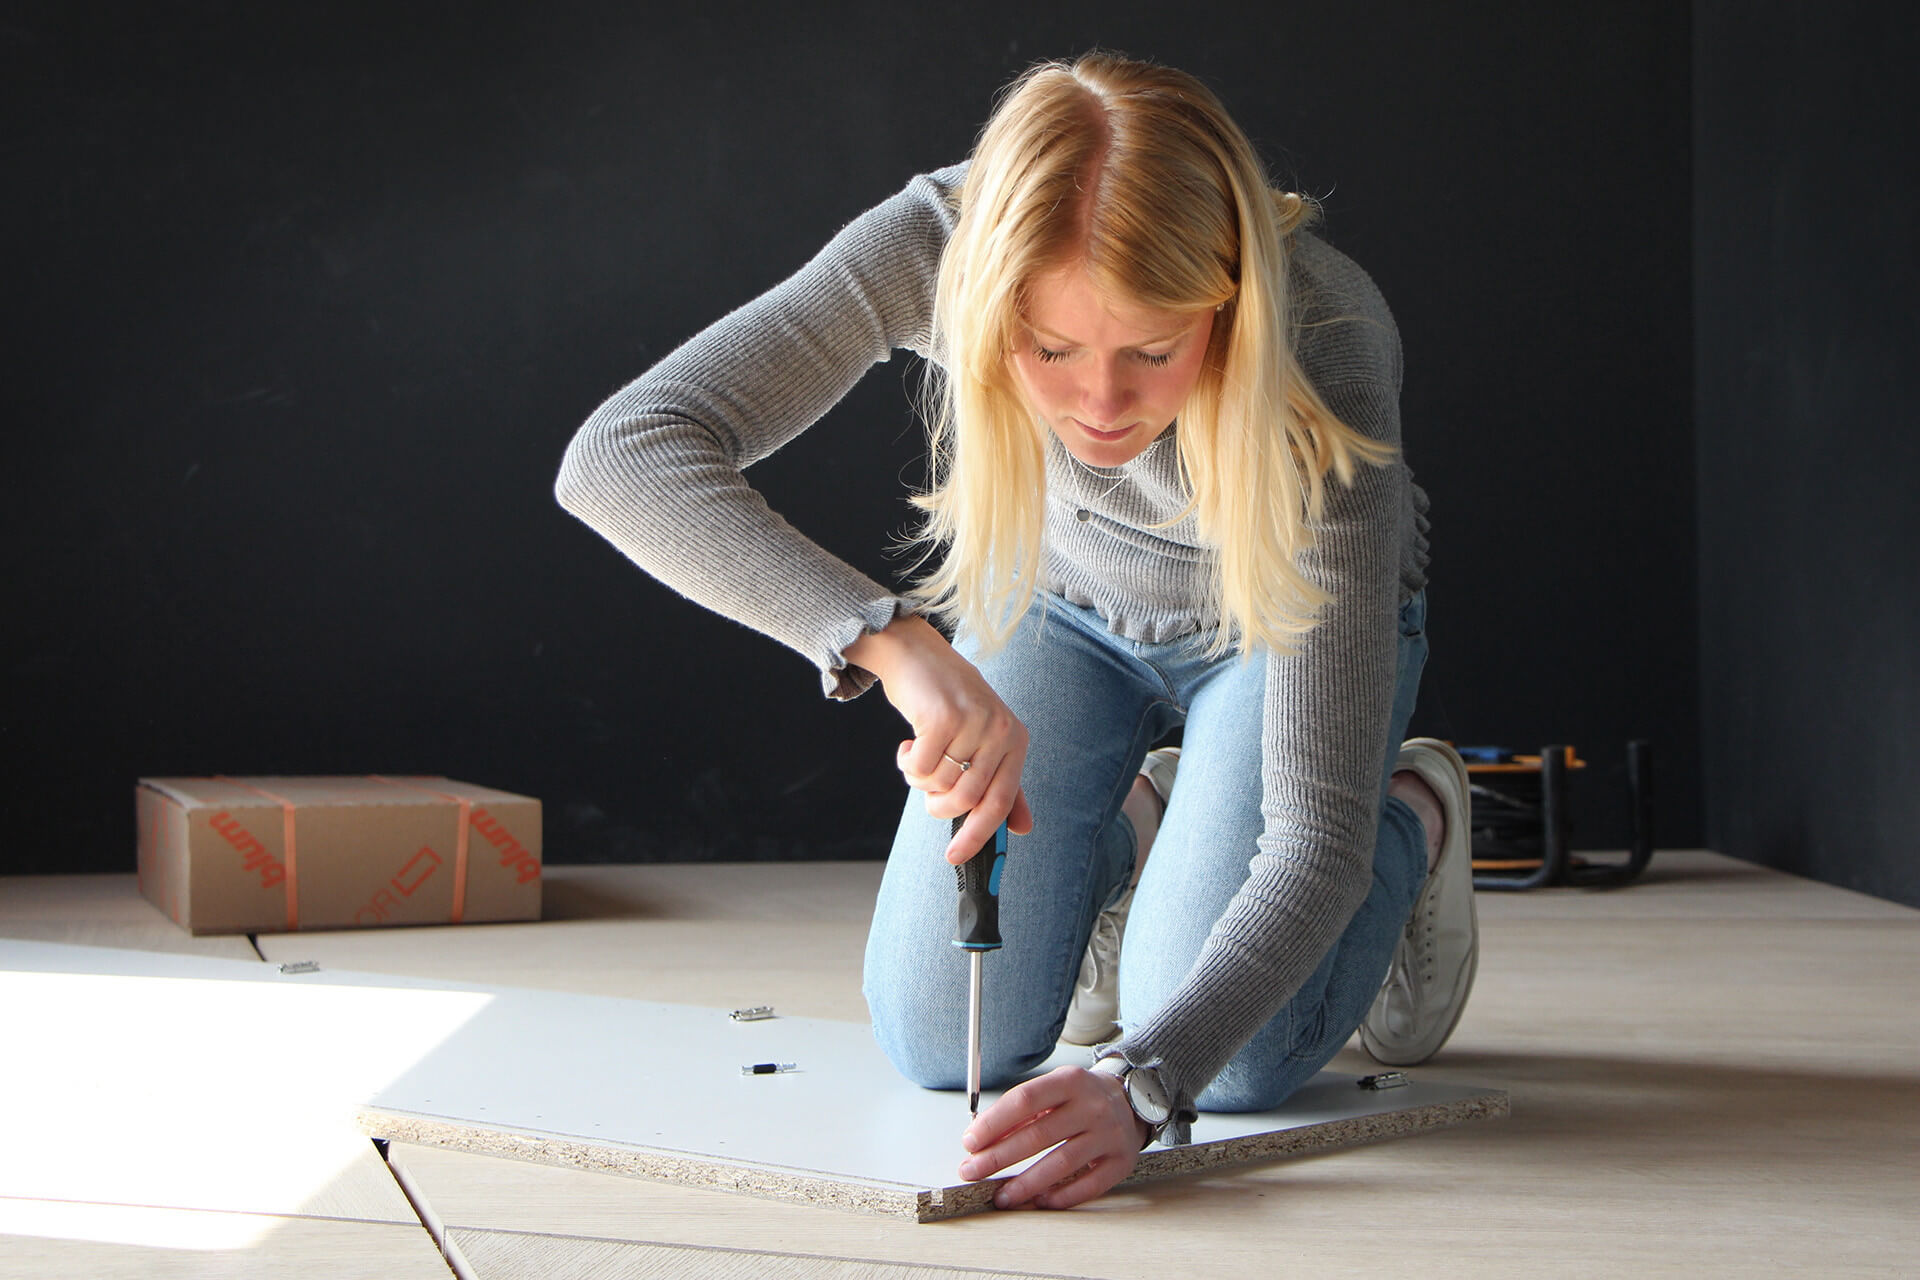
x=1119, y=475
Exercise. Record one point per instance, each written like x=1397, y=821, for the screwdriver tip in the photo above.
x=973, y=1103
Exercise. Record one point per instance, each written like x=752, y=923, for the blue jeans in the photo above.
x=1094, y=703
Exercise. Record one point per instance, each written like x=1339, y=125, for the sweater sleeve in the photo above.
x=1325, y=720
x=657, y=468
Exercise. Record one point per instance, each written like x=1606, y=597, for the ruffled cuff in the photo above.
x=841, y=680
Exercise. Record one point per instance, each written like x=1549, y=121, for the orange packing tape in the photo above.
x=459, y=844
x=286, y=819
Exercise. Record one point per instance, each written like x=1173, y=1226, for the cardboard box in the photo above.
x=271, y=855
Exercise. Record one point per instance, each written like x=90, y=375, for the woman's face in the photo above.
x=1107, y=374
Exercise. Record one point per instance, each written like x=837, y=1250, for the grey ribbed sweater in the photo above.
x=657, y=470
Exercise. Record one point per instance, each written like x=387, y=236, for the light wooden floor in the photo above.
x=1715, y=1071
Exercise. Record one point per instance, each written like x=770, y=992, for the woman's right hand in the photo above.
x=955, y=717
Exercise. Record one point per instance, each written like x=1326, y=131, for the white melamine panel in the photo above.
x=188, y=1082
x=223, y=1084
x=665, y=1080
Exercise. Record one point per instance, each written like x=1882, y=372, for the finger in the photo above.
x=1096, y=1180
x=1087, y=1101
x=1020, y=820
x=1012, y=1140
x=975, y=834
x=1027, y=1119
x=961, y=793
x=976, y=739
x=964, y=794
x=902, y=760
x=993, y=807
x=1013, y=1110
x=1019, y=1144
x=938, y=739
x=1072, y=1173
x=1057, y=1166
x=1091, y=1132
x=946, y=773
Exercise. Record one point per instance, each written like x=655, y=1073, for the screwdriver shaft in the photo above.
x=973, y=1032
x=977, y=932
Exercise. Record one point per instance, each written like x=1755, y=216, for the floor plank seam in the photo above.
x=777, y=1253
x=429, y=1220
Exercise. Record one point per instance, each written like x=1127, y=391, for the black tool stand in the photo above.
x=1521, y=821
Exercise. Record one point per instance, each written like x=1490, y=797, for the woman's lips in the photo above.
x=1098, y=434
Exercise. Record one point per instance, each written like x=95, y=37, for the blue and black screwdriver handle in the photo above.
x=977, y=933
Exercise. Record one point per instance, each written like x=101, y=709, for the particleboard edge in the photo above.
x=793, y=1185
x=1349, y=1131
x=898, y=1200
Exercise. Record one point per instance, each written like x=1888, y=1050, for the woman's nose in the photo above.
x=1105, y=396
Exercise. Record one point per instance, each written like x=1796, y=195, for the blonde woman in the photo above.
x=1168, y=493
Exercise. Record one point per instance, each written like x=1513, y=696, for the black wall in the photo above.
x=1807, y=129
x=305, y=301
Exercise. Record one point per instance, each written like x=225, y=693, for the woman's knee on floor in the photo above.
x=932, y=1051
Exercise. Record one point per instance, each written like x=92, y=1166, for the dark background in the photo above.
x=304, y=303
x=1806, y=288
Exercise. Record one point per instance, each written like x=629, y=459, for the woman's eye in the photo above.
x=1047, y=355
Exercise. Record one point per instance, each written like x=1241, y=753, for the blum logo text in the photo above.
x=253, y=854
x=513, y=854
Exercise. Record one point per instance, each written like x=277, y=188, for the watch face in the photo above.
x=1148, y=1096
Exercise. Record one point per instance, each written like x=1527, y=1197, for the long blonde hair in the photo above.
x=1136, y=171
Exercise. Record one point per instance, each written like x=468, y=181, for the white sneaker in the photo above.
x=1096, y=994
x=1434, y=962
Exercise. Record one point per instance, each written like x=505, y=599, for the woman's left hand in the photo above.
x=1085, y=1112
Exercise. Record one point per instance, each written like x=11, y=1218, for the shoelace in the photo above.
x=1106, y=939
x=1419, y=947
x=1429, y=932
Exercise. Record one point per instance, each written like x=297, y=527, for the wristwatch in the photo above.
x=1145, y=1094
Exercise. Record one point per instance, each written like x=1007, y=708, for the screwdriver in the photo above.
x=977, y=934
